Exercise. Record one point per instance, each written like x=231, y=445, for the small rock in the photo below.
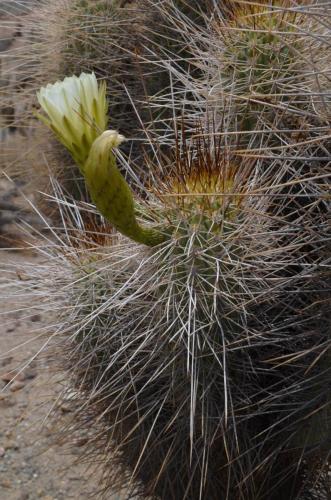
x=17, y=386
x=66, y=408
x=11, y=445
x=28, y=374
x=8, y=376
x=2, y=451
x=3, y=396
x=5, y=483
x=24, y=496
x=35, y=318
x=21, y=276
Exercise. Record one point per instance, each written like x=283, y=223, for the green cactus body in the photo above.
x=259, y=80
x=187, y=334
x=257, y=59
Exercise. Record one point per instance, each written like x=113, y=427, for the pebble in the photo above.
x=7, y=377
x=27, y=374
x=11, y=445
x=17, y=386
x=66, y=408
x=5, y=483
x=2, y=451
x=35, y=318
x=24, y=496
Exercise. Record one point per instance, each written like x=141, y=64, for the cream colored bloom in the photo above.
x=77, y=112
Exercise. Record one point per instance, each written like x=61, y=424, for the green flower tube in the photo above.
x=111, y=193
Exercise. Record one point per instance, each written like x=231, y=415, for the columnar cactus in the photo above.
x=196, y=334
x=263, y=73
x=203, y=360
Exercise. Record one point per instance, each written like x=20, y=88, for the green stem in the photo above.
x=111, y=193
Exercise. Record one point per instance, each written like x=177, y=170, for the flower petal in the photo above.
x=77, y=112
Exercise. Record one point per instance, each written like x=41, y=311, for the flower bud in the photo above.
x=76, y=111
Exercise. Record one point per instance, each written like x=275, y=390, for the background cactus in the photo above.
x=57, y=42
x=201, y=366
x=269, y=60
x=72, y=36
x=263, y=71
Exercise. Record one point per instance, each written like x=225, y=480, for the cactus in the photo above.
x=261, y=58
x=263, y=73
x=200, y=359
x=199, y=365
x=192, y=359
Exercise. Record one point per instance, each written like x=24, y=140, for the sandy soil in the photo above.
x=29, y=469
x=33, y=465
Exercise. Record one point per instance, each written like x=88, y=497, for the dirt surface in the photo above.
x=29, y=469
x=33, y=465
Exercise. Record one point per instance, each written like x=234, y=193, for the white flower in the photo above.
x=77, y=112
